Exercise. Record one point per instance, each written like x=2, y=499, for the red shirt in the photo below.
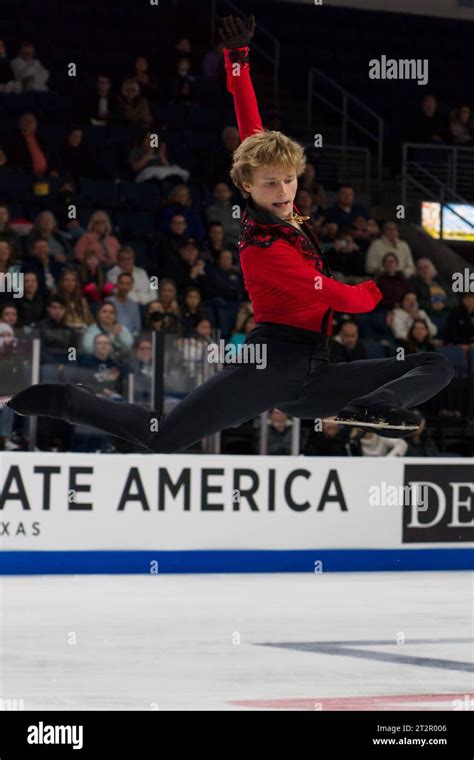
x=284, y=270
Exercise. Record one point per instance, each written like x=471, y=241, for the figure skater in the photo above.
x=294, y=297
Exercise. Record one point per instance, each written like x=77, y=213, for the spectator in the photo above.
x=331, y=441
x=365, y=231
x=373, y=445
x=392, y=283
x=32, y=305
x=245, y=311
x=461, y=126
x=192, y=311
x=168, y=296
x=346, y=346
x=188, y=268
x=216, y=242
x=25, y=150
x=75, y=157
x=428, y=126
x=389, y=242
x=8, y=234
x=405, y=314
x=97, y=108
x=132, y=108
x=223, y=280
x=182, y=49
x=142, y=291
x=128, y=313
x=142, y=370
x=223, y=211
x=102, y=371
x=344, y=210
x=29, y=70
x=420, y=443
x=8, y=84
x=99, y=238
x=45, y=228
x=92, y=276
x=56, y=337
x=308, y=182
x=170, y=242
x=237, y=338
x=160, y=317
x=306, y=205
x=108, y=324
x=180, y=202
x=460, y=328
x=217, y=169
x=418, y=338
x=212, y=66
x=223, y=289
x=78, y=315
x=182, y=87
x=204, y=329
x=347, y=258
x=46, y=267
x=7, y=259
x=147, y=162
x=66, y=202
x=431, y=292
x=145, y=80
x=10, y=315
x=279, y=434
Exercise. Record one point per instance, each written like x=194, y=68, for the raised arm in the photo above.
x=236, y=37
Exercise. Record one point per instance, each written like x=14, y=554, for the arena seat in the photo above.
x=99, y=192
x=145, y=196
x=457, y=356
x=374, y=349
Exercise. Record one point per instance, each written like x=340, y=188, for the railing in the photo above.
x=272, y=57
x=336, y=163
x=353, y=112
x=426, y=184
x=451, y=165
x=185, y=367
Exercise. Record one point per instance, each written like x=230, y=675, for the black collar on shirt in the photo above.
x=261, y=216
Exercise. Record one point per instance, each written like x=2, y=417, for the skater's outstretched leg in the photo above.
x=235, y=395
x=374, y=391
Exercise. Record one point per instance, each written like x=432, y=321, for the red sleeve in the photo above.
x=240, y=86
x=288, y=273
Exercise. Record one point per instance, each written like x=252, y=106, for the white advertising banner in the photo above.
x=180, y=503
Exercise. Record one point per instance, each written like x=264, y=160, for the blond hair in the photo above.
x=265, y=148
x=100, y=216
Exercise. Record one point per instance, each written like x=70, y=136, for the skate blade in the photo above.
x=375, y=425
x=4, y=400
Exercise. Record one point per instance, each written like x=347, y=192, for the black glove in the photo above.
x=236, y=33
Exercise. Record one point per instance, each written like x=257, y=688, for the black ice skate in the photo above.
x=382, y=419
x=44, y=400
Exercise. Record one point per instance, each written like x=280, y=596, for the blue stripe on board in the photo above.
x=251, y=561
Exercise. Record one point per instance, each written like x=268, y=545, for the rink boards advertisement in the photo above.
x=98, y=513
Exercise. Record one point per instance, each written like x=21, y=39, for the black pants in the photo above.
x=298, y=379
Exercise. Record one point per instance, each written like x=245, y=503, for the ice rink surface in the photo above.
x=328, y=641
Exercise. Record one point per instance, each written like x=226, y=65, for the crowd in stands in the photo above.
x=431, y=125
x=118, y=233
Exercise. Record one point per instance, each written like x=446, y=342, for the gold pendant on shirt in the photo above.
x=300, y=219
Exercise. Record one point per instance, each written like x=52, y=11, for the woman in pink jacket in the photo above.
x=99, y=239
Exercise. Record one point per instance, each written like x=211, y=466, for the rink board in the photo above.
x=99, y=513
